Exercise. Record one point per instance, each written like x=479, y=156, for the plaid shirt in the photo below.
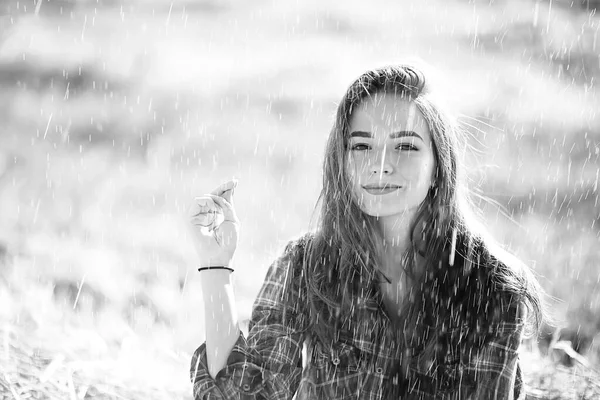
x=269, y=363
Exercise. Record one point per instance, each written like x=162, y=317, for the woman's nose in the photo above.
x=381, y=165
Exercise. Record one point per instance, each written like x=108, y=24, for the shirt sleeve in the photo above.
x=495, y=370
x=268, y=363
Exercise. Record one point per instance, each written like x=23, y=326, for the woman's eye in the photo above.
x=402, y=147
x=407, y=147
x=360, y=146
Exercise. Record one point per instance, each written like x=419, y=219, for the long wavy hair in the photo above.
x=461, y=263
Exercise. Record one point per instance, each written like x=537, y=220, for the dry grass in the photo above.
x=33, y=372
x=547, y=379
x=49, y=352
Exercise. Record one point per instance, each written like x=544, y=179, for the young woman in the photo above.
x=397, y=294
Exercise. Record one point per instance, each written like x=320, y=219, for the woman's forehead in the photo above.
x=383, y=111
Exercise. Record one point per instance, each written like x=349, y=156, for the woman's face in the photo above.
x=391, y=162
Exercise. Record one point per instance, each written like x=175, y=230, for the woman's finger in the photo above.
x=203, y=211
x=228, y=195
x=222, y=189
x=204, y=220
x=226, y=207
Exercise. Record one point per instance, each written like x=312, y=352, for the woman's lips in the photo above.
x=378, y=191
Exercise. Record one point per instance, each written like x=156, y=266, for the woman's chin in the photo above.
x=381, y=212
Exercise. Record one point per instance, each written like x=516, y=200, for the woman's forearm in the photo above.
x=221, y=324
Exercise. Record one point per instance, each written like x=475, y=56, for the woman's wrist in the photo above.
x=213, y=263
x=216, y=267
x=214, y=279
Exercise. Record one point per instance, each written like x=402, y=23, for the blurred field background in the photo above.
x=114, y=114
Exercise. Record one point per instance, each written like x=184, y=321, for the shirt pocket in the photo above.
x=454, y=340
x=337, y=371
x=453, y=377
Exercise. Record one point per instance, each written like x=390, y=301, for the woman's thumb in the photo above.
x=228, y=193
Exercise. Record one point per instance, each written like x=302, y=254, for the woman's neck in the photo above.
x=396, y=233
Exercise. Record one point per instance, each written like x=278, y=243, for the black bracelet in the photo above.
x=217, y=267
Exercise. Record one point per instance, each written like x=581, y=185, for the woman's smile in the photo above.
x=378, y=190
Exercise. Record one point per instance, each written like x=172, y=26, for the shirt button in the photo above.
x=246, y=387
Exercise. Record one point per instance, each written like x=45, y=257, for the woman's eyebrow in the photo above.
x=393, y=135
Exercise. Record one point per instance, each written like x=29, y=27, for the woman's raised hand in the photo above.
x=215, y=226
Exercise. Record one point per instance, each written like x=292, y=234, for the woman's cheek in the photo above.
x=356, y=169
x=416, y=166
x=424, y=179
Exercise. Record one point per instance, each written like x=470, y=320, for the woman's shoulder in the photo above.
x=494, y=282
x=488, y=255
x=294, y=251
x=298, y=243
x=288, y=265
